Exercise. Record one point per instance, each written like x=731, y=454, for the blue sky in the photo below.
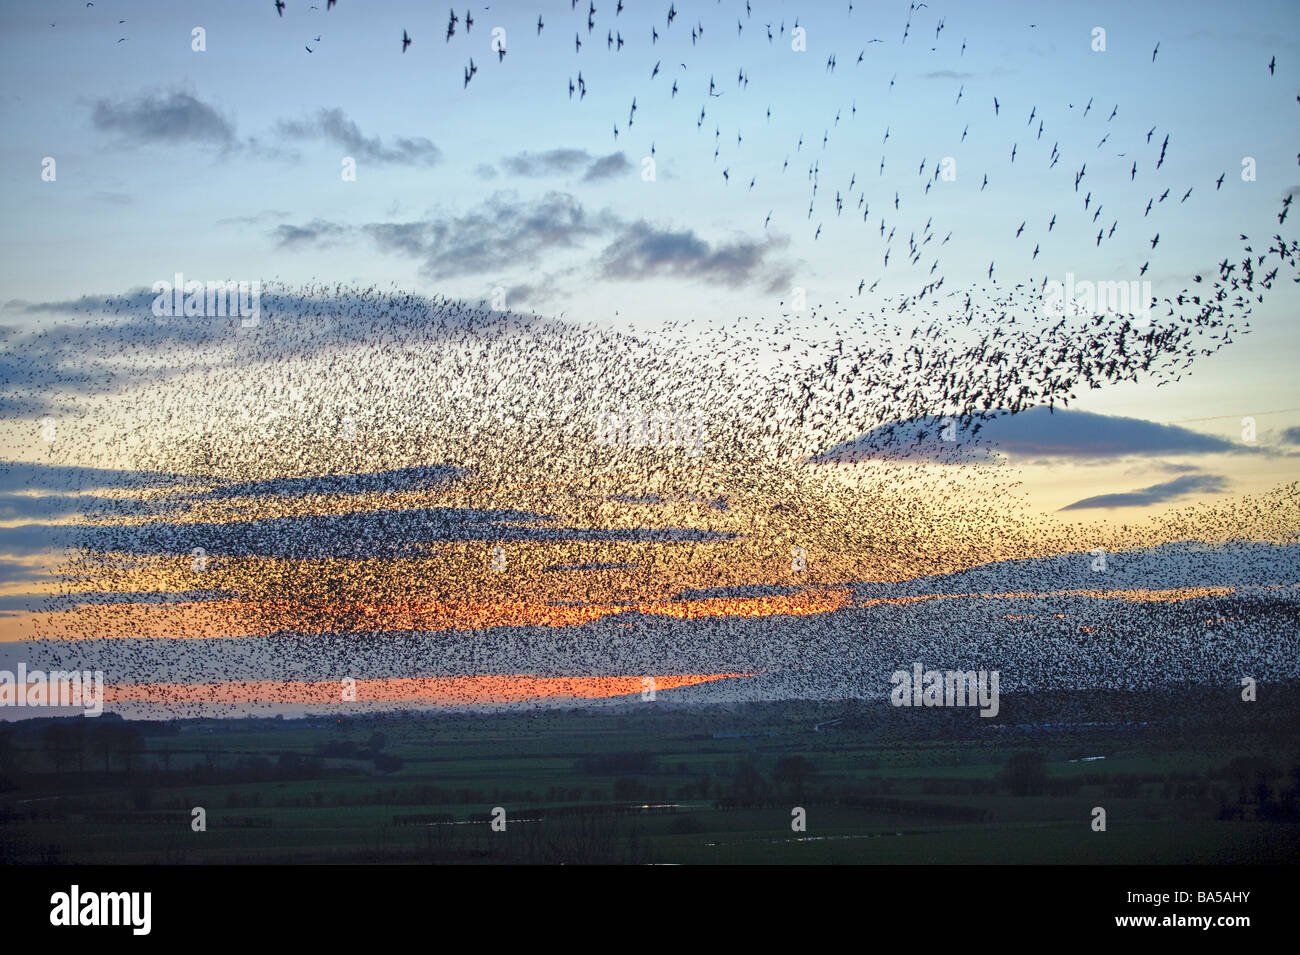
x=226, y=163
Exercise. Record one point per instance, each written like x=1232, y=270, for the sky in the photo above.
x=513, y=266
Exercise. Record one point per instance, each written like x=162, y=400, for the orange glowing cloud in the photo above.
x=227, y=618
x=433, y=690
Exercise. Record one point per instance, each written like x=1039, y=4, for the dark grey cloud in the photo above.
x=408, y=238
x=176, y=117
x=1065, y=433
x=644, y=251
x=608, y=167
x=21, y=476
x=333, y=126
x=32, y=540
x=385, y=532
x=47, y=602
x=1156, y=493
x=78, y=357
x=49, y=507
x=507, y=233
x=562, y=162
x=531, y=296
x=1291, y=436
x=501, y=233
x=26, y=407
x=552, y=162
x=418, y=478
x=49, y=361
x=14, y=571
x=1037, y=433
x=316, y=232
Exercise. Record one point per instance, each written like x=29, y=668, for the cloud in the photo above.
x=47, y=602
x=485, y=171
x=507, y=233
x=501, y=233
x=1065, y=433
x=564, y=162
x=45, y=368
x=316, y=232
x=553, y=162
x=1291, y=436
x=1155, y=494
x=28, y=507
x=17, y=571
x=24, y=476
x=607, y=167
x=531, y=296
x=418, y=478
x=1037, y=433
x=177, y=117
x=948, y=75
x=384, y=532
x=643, y=251
x=333, y=126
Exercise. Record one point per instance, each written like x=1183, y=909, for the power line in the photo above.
x=1223, y=417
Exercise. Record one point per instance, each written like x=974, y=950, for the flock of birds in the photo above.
x=912, y=209
x=343, y=380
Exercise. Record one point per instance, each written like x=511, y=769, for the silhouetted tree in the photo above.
x=792, y=772
x=1024, y=774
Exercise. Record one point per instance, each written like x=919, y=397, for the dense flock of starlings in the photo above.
x=479, y=428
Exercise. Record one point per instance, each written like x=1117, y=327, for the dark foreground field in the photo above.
x=1190, y=775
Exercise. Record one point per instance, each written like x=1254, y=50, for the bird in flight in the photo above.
x=406, y=41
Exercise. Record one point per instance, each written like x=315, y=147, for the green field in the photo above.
x=652, y=784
